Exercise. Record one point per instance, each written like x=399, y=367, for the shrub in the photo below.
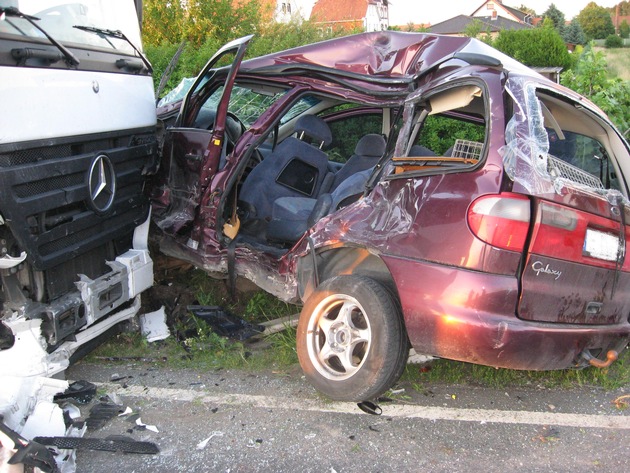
x=613, y=41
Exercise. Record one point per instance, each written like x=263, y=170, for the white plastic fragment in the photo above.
x=8, y=261
x=46, y=420
x=153, y=325
x=152, y=428
x=28, y=356
x=19, y=395
x=417, y=358
x=201, y=445
x=127, y=411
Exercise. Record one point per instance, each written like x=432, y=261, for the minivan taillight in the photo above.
x=501, y=220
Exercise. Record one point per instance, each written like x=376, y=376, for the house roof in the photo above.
x=516, y=13
x=459, y=23
x=336, y=10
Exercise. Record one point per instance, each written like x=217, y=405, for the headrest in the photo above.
x=314, y=127
x=371, y=145
x=233, y=128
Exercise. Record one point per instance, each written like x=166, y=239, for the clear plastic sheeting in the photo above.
x=527, y=144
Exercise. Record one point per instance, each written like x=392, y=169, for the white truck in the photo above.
x=77, y=137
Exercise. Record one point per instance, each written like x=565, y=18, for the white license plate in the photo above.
x=601, y=245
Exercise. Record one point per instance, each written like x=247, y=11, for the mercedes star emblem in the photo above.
x=101, y=184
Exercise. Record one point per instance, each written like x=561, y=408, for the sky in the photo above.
x=401, y=12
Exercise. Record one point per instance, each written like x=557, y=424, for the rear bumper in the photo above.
x=469, y=316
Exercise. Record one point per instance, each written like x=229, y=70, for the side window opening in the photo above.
x=574, y=154
x=448, y=132
x=554, y=142
x=348, y=131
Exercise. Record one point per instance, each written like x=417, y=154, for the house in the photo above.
x=496, y=10
x=492, y=17
x=287, y=10
x=350, y=15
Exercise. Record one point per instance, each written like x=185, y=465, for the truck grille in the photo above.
x=45, y=199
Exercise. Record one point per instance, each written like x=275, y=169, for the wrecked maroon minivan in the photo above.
x=411, y=190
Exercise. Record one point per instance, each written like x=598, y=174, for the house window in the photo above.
x=490, y=6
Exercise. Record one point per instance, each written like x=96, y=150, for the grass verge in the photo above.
x=618, y=60
x=454, y=372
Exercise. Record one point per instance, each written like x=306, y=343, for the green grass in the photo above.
x=193, y=344
x=618, y=60
x=453, y=372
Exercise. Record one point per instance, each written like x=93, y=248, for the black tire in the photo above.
x=351, y=341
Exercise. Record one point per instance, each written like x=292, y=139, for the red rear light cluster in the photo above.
x=504, y=220
x=575, y=235
x=501, y=220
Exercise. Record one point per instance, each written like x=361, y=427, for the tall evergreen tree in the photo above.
x=574, y=33
x=557, y=17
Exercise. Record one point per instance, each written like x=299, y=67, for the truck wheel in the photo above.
x=351, y=341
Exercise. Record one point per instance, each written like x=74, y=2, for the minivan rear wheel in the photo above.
x=351, y=340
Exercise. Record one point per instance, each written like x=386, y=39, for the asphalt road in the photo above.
x=275, y=422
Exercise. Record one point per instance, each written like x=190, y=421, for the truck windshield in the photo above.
x=58, y=18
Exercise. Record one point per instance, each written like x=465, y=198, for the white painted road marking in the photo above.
x=620, y=422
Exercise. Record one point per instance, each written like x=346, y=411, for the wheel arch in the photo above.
x=324, y=263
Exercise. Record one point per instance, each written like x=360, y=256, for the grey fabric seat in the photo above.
x=292, y=216
x=295, y=168
x=367, y=152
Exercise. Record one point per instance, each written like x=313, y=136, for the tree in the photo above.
x=473, y=29
x=556, y=16
x=223, y=20
x=162, y=21
x=208, y=24
x=537, y=47
x=589, y=78
x=526, y=9
x=624, y=8
x=624, y=29
x=574, y=33
x=596, y=21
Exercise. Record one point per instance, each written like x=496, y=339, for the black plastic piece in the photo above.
x=224, y=323
x=101, y=413
x=7, y=339
x=370, y=407
x=114, y=443
x=80, y=391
